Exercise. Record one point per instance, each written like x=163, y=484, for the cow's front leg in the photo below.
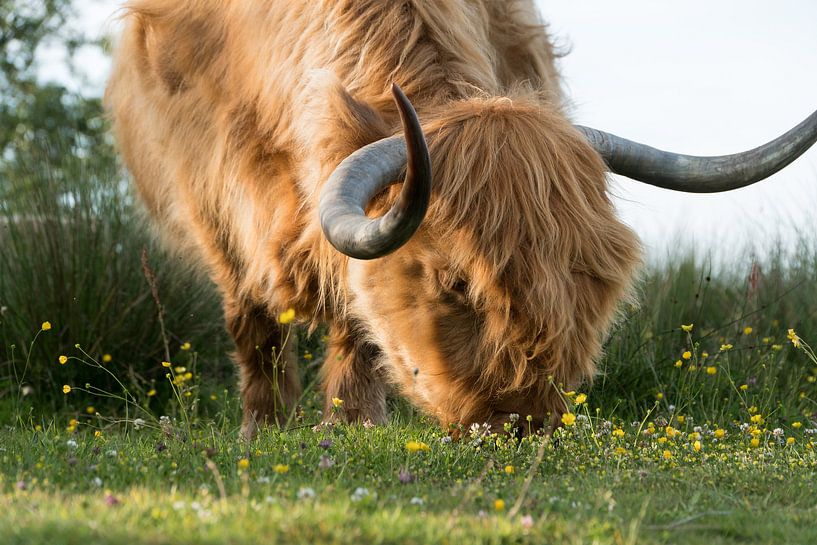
x=267, y=363
x=350, y=374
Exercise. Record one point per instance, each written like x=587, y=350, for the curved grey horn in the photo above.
x=701, y=174
x=363, y=175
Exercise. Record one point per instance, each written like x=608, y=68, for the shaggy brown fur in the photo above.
x=231, y=116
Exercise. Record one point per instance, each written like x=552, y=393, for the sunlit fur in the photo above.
x=232, y=115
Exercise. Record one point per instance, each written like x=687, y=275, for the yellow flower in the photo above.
x=744, y=387
x=581, y=398
x=687, y=328
x=166, y=364
x=213, y=397
x=756, y=419
x=180, y=370
x=696, y=446
x=726, y=347
x=509, y=470
x=416, y=446
x=767, y=340
x=73, y=422
x=692, y=368
x=662, y=440
x=621, y=451
x=151, y=392
x=185, y=346
x=747, y=330
x=719, y=433
x=66, y=389
x=777, y=347
x=499, y=505
x=678, y=363
x=755, y=442
x=287, y=316
x=752, y=409
x=97, y=433
x=90, y=410
x=243, y=464
x=686, y=355
x=308, y=356
x=667, y=455
x=704, y=355
x=795, y=340
x=46, y=326
x=280, y=468
x=337, y=402
x=790, y=440
x=63, y=360
x=568, y=419
x=106, y=358
x=711, y=370
x=796, y=425
x=681, y=419
x=659, y=396
x=618, y=432
x=670, y=431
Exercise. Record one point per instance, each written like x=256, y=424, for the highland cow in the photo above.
x=266, y=141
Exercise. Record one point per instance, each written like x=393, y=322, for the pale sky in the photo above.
x=699, y=76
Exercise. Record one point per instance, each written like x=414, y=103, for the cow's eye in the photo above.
x=453, y=283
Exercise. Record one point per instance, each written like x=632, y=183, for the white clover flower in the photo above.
x=138, y=423
x=71, y=443
x=360, y=494
x=416, y=501
x=308, y=493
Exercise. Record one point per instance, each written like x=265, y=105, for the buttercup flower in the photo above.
x=106, y=358
x=499, y=505
x=686, y=355
x=280, y=468
x=568, y=419
x=63, y=360
x=687, y=328
x=243, y=464
x=287, y=316
x=795, y=340
x=337, y=402
x=47, y=325
x=417, y=446
x=581, y=398
x=66, y=389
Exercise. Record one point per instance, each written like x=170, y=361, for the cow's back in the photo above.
x=211, y=103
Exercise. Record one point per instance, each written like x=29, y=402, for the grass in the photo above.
x=666, y=476
x=406, y=483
